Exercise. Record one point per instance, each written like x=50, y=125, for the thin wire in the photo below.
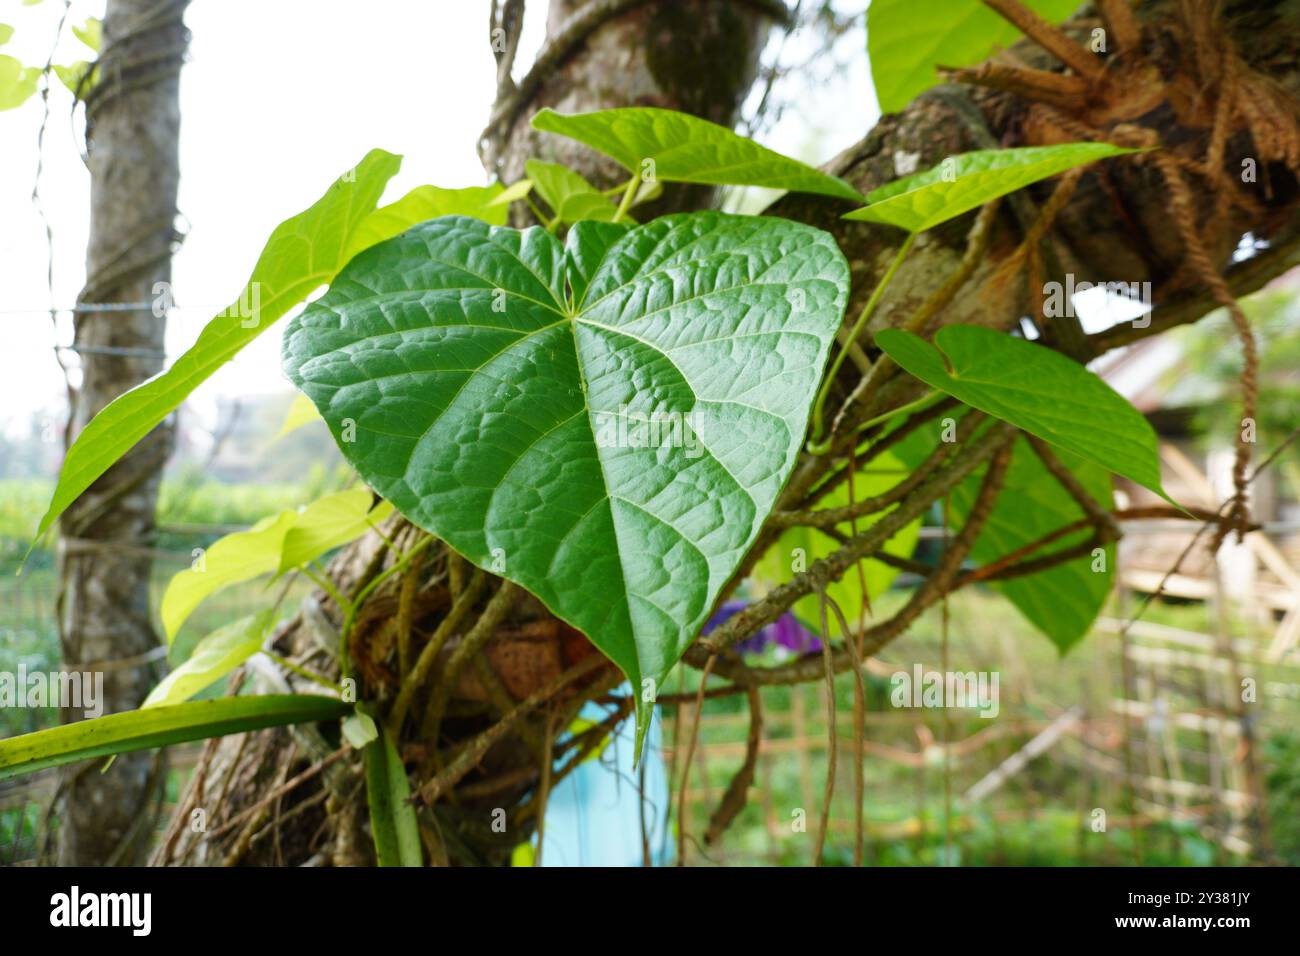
x=36, y=186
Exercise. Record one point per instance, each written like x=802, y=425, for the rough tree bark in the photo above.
x=132, y=129
x=1215, y=87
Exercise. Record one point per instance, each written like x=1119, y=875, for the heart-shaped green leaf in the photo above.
x=1035, y=389
x=569, y=195
x=905, y=48
x=677, y=147
x=160, y=727
x=213, y=657
x=968, y=180
x=606, y=422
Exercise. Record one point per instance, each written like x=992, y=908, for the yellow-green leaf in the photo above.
x=569, y=195
x=301, y=412
x=213, y=657
x=90, y=33
x=658, y=144
x=237, y=557
x=17, y=82
x=968, y=180
x=907, y=42
x=276, y=544
x=513, y=193
x=426, y=202
x=328, y=523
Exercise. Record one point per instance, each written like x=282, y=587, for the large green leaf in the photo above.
x=688, y=149
x=213, y=657
x=799, y=547
x=393, y=825
x=277, y=543
x=488, y=371
x=302, y=253
x=907, y=42
x=160, y=727
x=1035, y=389
x=968, y=180
x=569, y=195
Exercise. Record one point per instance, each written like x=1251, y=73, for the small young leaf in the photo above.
x=328, y=523
x=302, y=253
x=90, y=33
x=6, y=33
x=570, y=197
x=213, y=657
x=359, y=729
x=73, y=76
x=512, y=193
x=665, y=145
x=968, y=180
x=160, y=727
x=906, y=47
x=275, y=544
x=237, y=557
x=17, y=82
x=301, y=412
x=393, y=825
x=426, y=202
x=512, y=420
x=1035, y=389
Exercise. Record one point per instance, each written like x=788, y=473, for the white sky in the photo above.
x=277, y=99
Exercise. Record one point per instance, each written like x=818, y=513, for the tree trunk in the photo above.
x=132, y=129
x=1114, y=225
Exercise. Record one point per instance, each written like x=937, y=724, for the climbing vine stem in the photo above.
x=820, y=443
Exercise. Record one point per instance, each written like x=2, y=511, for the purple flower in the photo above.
x=785, y=632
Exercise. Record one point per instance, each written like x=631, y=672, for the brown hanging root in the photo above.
x=1184, y=217
x=832, y=750
x=690, y=756
x=737, y=794
x=544, y=792
x=854, y=642
x=1275, y=132
x=1029, y=251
